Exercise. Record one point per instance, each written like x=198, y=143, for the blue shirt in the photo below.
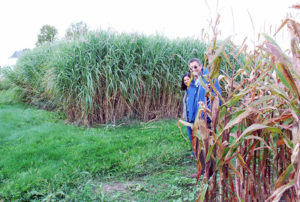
x=196, y=93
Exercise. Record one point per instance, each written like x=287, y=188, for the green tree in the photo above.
x=76, y=29
x=47, y=34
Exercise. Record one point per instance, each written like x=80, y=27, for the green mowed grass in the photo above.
x=42, y=158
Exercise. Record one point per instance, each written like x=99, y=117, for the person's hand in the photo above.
x=201, y=104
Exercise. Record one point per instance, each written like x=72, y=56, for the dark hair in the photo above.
x=195, y=60
x=183, y=86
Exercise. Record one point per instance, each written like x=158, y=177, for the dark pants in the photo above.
x=189, y=131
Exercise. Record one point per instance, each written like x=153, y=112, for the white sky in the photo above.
x=21, y=20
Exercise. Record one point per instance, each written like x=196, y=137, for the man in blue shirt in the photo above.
x=196, y=94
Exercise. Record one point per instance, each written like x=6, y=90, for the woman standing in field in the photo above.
x=185, y=82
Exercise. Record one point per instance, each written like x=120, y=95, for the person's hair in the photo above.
x=183, y=86
x=195, y=60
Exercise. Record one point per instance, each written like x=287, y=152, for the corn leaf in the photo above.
x=277, y=194
x=284, y=176
x=215, y=67
x=288, y=78
x=203, y=192
x=239, y=118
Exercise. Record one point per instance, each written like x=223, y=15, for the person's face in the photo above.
x=186, y=80
x=195, y=68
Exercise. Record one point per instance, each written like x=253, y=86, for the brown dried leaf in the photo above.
x=203, y=130
x=289, y=78
x=244, y=165
x=278, y=119
x=215, y=111
x=235, y=170
x=261, y=140
x=296, y=154
x=277, y=194
x=186, y=123
x=240, y=118
x=284, y=176
x=296, y=134
x=281, y=26
x=275, y=51
x=294, y=28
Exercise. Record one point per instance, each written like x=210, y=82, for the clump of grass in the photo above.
x=4, y=83
x=11, y=96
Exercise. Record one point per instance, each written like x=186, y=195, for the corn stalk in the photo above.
x=253, y=142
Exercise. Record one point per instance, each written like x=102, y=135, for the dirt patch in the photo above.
x=118, y=187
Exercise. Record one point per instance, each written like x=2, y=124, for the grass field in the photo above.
x=43, y=158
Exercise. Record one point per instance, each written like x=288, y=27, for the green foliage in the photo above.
x=4, y=83
x=76, y=30
x=47, y=34
x=28, y=76
x=106, y=77
x=11, y=95
x=41, y=157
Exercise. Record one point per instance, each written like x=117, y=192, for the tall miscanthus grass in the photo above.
x=29, y=71
x=105, y=77
x=253, y=146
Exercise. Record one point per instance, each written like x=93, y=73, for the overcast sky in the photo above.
x=21, y=20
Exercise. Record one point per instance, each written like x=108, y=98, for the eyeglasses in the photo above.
x=195, y=67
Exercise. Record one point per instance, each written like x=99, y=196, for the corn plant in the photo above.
x=253, y=142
